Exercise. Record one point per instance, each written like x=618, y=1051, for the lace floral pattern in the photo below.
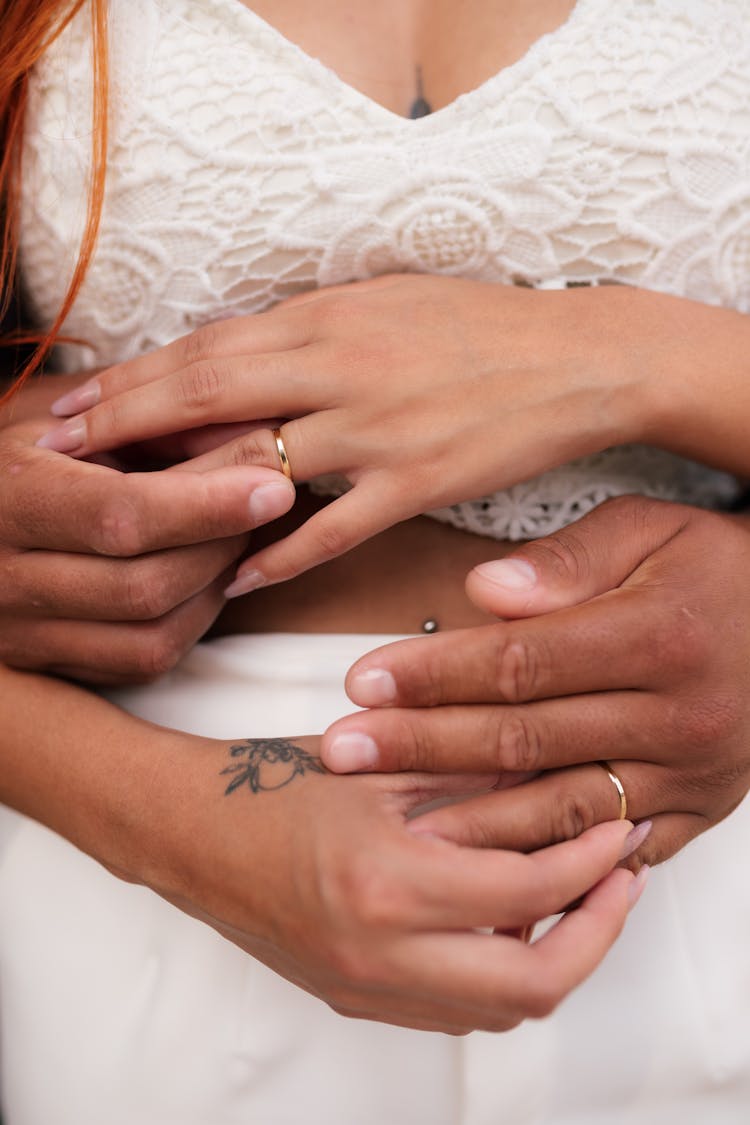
x=616, y=149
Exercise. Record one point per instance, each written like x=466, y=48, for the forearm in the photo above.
x=87, y=770
x=693, y=394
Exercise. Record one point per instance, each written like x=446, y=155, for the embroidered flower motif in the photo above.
x=617, y=149
x=732, y=254
x=454, y=230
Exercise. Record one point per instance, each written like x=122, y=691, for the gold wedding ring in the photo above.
x=618, y=786
x=286, y=468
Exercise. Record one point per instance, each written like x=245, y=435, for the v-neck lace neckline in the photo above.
x=496, y=84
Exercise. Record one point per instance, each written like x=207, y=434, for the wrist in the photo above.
x=635, y=351
x=695, y=390
x=88, y=771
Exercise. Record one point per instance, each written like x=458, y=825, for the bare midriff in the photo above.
x=394, y=583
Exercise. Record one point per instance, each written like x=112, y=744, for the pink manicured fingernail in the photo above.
x=244, y=583
x=65, y=438
x=635, y=838
x=350, y=752
x=636, y=888
x=269, y=501
x=511, y=574
x=372, y=688
x=76, y=401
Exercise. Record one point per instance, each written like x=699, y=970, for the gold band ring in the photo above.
x=286, y=468
x=618, y=786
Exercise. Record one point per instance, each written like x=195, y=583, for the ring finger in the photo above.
x=558, y=805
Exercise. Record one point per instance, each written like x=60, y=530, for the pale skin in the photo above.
x=361, y=979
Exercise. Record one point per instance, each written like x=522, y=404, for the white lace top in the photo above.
x=242, y=170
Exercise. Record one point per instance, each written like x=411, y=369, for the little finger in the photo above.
x=500, y=981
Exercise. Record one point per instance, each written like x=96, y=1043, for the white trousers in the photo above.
x=116, y=1009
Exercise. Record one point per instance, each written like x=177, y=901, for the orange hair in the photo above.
x=27, y=28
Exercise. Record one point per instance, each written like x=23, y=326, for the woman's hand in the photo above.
x=420, y=391
x=320, y=877
x=110, y=577
x=323, y=879
x=628, y=639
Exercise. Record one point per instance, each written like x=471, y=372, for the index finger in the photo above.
x=53, y=502
x=610, y=643
x=248, y=335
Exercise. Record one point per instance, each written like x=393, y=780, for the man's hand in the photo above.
x=110, y=577
x=627, y=638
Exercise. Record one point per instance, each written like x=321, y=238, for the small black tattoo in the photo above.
x=269, y=763
x=420, y=107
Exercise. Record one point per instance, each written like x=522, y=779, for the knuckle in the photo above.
x=248, y=450
x=574, y=812
x=332, y=314
x=422, y=678
x=199, y=345
x=160, y=651
x=376, y=902
x=710, y=721
x=480, y=829
x=16, y=462
x=116, y=529
x=518, y=668
x=147, y=592
x=330, y=541
x=542, y=998
x=200, y=386
x=414, y=749
x=15, y=588
x=679, y=643
x=106, y=418
x=517, y=740
x=564, y=555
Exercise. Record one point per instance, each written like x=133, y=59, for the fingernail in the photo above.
x=511, y=574
x=269, y=501
x=244, y=583
x=66, y=438
x=372, y=688
x=635, y=838
x=76, y=401
x=636, y=888
x=350, y=752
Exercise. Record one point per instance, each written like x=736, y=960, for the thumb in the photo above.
x=583, y=560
